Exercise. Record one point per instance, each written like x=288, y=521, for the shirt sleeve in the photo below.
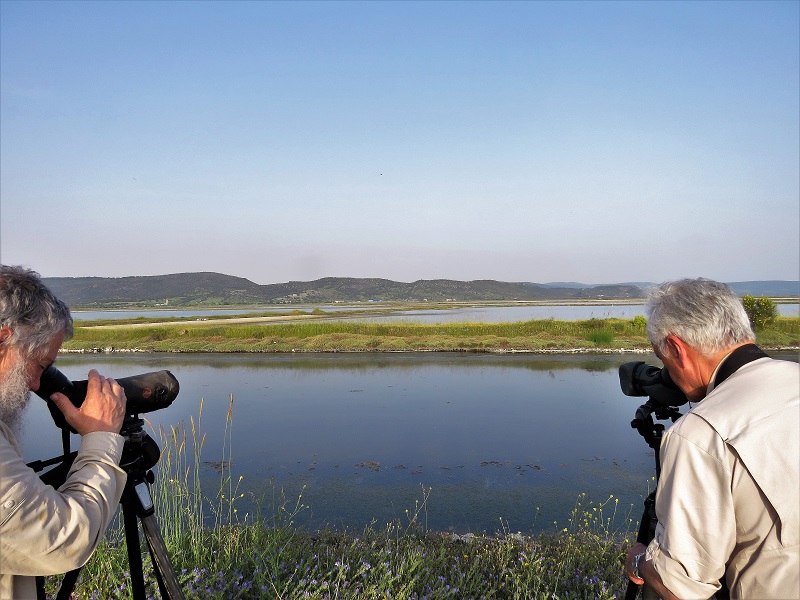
x=44, y=531
x=696, y=529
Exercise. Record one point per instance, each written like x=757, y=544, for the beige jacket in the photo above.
x=47, y=532
x=727, y=500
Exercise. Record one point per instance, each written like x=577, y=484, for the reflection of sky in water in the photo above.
x=493, y=436
x=483, y=314
x=503, y=314
x=87, y=315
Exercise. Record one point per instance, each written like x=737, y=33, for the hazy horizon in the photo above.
x=551, y=283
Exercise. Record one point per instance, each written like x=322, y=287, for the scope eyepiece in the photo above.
x=145, y=393
x=640, y=379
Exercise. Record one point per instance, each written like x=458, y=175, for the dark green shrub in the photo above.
x=601, y=337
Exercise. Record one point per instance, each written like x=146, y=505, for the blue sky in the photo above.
x=520, y=141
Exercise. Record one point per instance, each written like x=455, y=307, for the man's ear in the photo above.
x=678, y=349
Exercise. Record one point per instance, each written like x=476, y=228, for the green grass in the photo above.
x=338, y=336
x=601, y=338
x=220, y=553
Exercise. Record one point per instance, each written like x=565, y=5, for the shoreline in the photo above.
x=576, y=350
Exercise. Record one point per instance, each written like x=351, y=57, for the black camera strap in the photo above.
x=736, y=360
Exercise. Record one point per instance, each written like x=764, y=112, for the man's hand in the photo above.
x=647, y=573
x=103, y=409
x=636, y=549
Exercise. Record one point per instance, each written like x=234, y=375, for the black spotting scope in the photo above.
x=640, y=379
x=145, y=393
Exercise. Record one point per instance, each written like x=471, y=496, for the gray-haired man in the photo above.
x=727, y=497
x=44, y=531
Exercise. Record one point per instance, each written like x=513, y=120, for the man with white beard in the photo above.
x=44, y=531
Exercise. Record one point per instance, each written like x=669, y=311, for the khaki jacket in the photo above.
x=727, y=501
x=45, y=531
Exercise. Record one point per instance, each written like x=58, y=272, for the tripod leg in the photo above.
x=68, y=585
x=134, y=550
x=165, y=573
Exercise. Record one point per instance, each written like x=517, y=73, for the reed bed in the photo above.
x=220, y=553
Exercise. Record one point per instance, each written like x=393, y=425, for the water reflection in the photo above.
x=474, y=314
x=516, y=437
x=89, y=315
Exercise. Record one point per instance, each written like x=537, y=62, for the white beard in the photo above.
x=14, y=396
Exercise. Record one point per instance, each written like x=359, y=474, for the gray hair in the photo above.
x=705, y=314
x=30, y=310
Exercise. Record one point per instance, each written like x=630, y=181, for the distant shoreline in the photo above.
x=549, y=352
x=395, y=304
x=541, y=351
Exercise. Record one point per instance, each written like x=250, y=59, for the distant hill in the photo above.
x=215, y=289
x=774, y=289
x=179, y=289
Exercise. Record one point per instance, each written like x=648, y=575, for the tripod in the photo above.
x=140, y=453
x=652, y=433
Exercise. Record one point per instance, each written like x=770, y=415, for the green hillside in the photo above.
x=215, y=289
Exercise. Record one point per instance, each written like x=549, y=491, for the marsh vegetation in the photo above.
x=338, y=336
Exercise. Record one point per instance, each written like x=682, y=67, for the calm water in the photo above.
x=483, y=314
x=514, y=437
x=88, y=315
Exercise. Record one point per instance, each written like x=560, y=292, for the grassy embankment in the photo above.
x=219, y=553
x=318, y=335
